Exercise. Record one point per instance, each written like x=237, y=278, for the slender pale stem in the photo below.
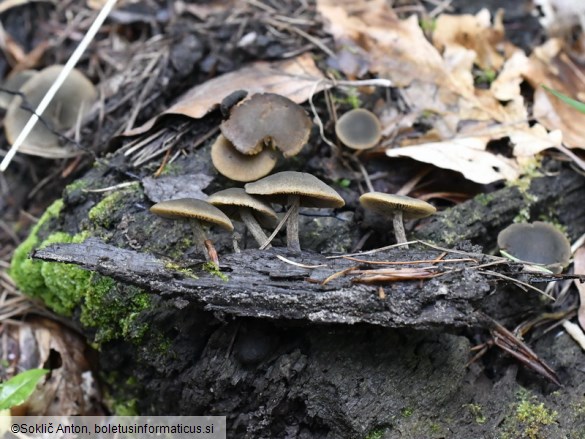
x=253, y=226
x=292, y=225
x=399, y=232
x=200, y=238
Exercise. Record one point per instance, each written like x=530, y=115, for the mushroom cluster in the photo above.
x=289, y=188
x=245, y=150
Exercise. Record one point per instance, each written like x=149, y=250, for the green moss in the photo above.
x=215, y=271
x=529, y=418
x=476, y=411
x=407, y=412
x=25, y=272
x=187, y=272
x=125, y=408
x=101, y=214
x=64, y=284
x=114, y=310
x=59, y=286
x=375, y=434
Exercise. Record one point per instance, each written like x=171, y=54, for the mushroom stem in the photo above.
x=200, y=239
x=399, y=232
x=253, y=226
x=292, y=224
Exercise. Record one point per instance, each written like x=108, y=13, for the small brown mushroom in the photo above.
x=267, y=119
x=254, y=213
x=12, y=84
x=241, y=167
x=73, y=100
x=537, y=242
x=359, y=129
x=295, y=189
x=399, y=207
x=197, y=211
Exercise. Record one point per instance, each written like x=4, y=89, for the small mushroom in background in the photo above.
x=267, y=119
x=241, y=167
x=197, y=211
x=72, y=101
x=295, y=189
x=359, y=129
x=12, y=84
x=254, y=213
x=537, y=242
x=399, y=207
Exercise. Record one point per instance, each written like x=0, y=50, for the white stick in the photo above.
x=75, y=56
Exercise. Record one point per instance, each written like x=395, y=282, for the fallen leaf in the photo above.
x=473, y=32
x=296, y=79
x=465, y=155
x=550, y=66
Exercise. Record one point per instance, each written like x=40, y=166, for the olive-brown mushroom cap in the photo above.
x=13, y=83
x=240, y=167
x=229, y=200
x=184, y=208
x=359, y=129
x=73, y=99
x=265, y=118
x=312, y=191
x=387, y=204
x=538, y=242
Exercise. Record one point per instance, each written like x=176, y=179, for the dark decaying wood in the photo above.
x=259, y=284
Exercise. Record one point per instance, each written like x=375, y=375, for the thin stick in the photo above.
x=75, y=56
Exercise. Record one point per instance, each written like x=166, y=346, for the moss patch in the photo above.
x=530, y=418
x=101, y=214
x=113, y=309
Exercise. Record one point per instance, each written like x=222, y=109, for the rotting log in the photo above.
x=260, y=284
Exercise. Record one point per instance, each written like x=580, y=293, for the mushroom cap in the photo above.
x=386, y=204
x=230, y=200
x=267, y=117
x=240, y=167
x=73, y=99
x=312, y=191
x=359, y=129
x=538, y=242
x=13, y=83
x=184, y=208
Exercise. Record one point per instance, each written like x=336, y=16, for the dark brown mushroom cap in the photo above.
x=73, y=99
x=312, y=191
x=359, y=129
x=13, y=83
x=388, y=204
x=230, y=200
x=185, y=208
x=240, y=167
x=267, y=118
x=538, y=242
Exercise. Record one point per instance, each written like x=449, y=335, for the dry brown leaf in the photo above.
x=42, y=343
x=465, y=155
x=472, y=32
x=296, y=79
x=550, y=66
x=579, y=268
